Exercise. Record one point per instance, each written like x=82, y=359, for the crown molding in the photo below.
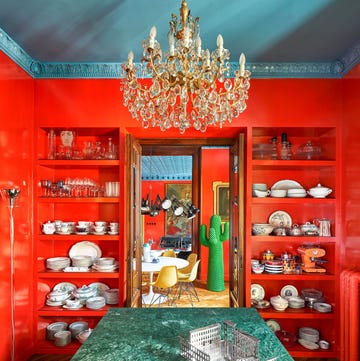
x=42, y=70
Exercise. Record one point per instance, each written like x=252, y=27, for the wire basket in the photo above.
x=206, y=344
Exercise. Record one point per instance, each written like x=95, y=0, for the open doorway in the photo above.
x=194, y=148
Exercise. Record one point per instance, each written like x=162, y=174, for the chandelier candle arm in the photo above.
x=190, y=86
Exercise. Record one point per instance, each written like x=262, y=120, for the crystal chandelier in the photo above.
x=190, y=86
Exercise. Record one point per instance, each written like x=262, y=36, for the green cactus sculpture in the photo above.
x=215, y=279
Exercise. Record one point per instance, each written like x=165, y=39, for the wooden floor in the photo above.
x=207, y=299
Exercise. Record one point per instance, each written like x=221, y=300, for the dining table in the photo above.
x=154, y=267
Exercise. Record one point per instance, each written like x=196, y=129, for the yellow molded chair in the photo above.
x=164, y=285
x=169, y=253
x=192, y=258
x=186, y=283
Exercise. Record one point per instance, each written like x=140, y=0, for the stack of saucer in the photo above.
x=57, y=263
x=112, y=296
x=95, y=303
x=274, y=266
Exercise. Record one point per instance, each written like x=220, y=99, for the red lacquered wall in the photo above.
x=351, y=166
x=16, y=159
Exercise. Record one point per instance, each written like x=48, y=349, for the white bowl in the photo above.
x=278, y=193
x=262, y=229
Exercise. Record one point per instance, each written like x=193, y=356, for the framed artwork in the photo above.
x=178, y=225
x=222, y=200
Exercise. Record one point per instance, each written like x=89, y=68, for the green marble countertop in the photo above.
x=143, y=334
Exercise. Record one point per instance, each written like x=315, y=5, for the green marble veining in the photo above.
x=128, y=334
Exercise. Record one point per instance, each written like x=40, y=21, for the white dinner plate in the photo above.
x=289, y=291
x=280, y=218
x=286, y=184
x=257, y=292
x=85, y=248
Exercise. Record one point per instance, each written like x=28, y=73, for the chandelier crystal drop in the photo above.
x=190, y=86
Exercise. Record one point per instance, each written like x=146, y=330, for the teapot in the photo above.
x=309, y=229
x=324, y=227
x=281, y=230
x=295, y=230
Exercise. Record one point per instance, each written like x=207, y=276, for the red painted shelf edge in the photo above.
x=73, y=275
x=72, y=237
x=78, y=162
x=295, y=314
x=295, y=162
x=78, y=200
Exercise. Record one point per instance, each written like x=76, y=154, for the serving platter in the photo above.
x=85, y=248
x=286, y=184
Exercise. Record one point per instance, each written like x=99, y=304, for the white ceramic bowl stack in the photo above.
x=105, y=264
x=95, y=303
x=81, y=261
x=279, y=303
x=296, y=302
x=309, y=334
x=296, y=193
x=112, y=296
x=57, y=263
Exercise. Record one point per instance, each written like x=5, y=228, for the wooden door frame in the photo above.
x=181, y=146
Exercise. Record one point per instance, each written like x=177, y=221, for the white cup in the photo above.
x=108, y=189
x=115, y=189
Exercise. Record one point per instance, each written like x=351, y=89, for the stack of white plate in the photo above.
x=112, y=296
x=95, y=303
x=296, y=302
x=57, y=263
x=273, y=267
x=309, y=334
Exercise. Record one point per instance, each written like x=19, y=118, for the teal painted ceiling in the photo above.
x=281, y=38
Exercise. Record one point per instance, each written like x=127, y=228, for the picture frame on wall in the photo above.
x=221, y=192
x=178, y=225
